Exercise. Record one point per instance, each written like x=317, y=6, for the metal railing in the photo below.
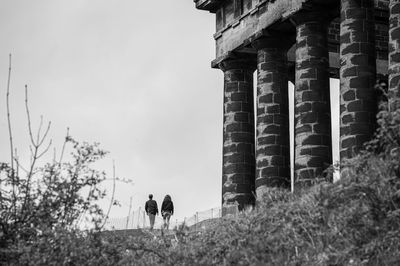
x=139, y=220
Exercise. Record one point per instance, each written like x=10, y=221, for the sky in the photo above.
x=134, y=76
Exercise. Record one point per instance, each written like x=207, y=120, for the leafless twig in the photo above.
x=45, y=150
x=39, y=140
x=63, y=147
x=16, y=162
x=8, y=116
x=112, y=198
x=40, y=124
x=34, y=148
x=13, y=176
x=28, y=115
x=19, y=166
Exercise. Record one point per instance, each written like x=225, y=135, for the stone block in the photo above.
x=308, y=74
x=267, y=140
x=321, y=151
x=270, y=171
x=265, y=119
x=349, y=95
x=234, y=127
x=246, y=148
x=361, y=128
x=312, y=140
x=267, y=98
x=355, y=106
x=303, y=107
x=303, y=129
x=308, y=118
x=242, y=116
x=273, y=109
x=233, y=107
x=239, y=97
x=347, y=118
x=231, y=87
x=272, y=129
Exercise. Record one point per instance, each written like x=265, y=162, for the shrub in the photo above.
x=42, y=205
x=49, y=199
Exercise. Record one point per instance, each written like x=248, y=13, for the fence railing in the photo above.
x=138, y=219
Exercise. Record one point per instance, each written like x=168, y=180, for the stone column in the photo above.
x=272, y=149
x=394, y=53
x=238, y=170
x=357, y=75
x=313, y=143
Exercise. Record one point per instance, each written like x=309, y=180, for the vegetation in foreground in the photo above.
x=355, y=221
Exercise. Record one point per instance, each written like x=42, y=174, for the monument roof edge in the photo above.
x=210, y=5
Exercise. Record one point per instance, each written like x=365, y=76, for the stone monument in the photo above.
x=305, y=42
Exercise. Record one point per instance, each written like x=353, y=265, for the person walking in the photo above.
x=151, y=209
x=167, y=210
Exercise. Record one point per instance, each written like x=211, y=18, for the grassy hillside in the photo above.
x=353, y=222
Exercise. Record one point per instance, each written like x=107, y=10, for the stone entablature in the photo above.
x=239, y=22
x=235, y=29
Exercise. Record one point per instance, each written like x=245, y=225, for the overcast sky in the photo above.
x=132, y=75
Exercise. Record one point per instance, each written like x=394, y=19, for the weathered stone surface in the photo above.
x=238, y=148
x=235, y=24
x=357, y=75
x=272, y=155
x=312, y=101
x=394, y=54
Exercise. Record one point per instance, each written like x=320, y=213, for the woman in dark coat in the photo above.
x=167, y=209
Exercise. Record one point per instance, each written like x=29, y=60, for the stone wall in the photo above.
x=381, y=34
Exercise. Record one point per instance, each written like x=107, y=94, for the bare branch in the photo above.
x=45, y=134
x=45, y=150
x=20, y=166
x=39, y=140
x=34, y=147
x=63, y=147
x=31, y=157
x=40, y=129
x=32, y=167
x=10, y=136
x=8, y=116
x=28, y=115
x=16, y=162
x=112, y=198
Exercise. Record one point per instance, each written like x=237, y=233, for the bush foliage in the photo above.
x=38, y=206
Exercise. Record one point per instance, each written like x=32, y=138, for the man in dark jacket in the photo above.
x=151, y=210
